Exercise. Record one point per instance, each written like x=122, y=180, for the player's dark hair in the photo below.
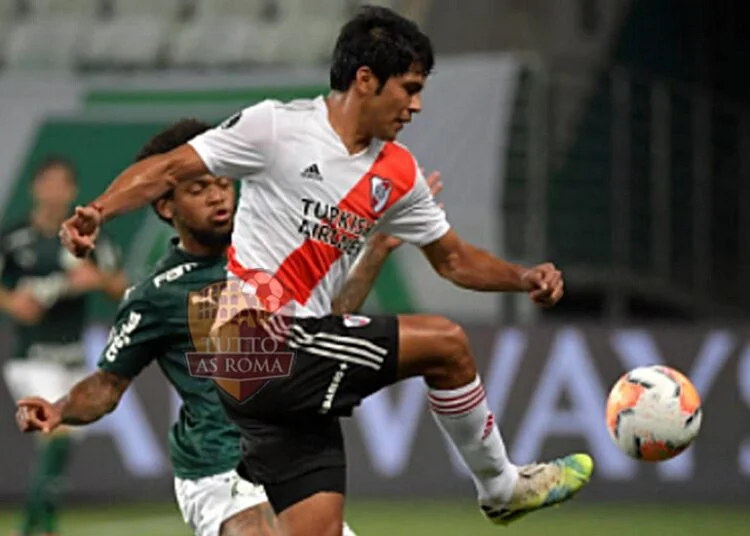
x=57, y=161
x=170, y=138
x=381, y=39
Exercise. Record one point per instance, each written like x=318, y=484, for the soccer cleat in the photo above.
x=541, y=485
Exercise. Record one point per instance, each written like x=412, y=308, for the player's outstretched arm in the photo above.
x=238, y=147
x=149, y=179
x=470, y=267
x=89, y=400
x=137, y=186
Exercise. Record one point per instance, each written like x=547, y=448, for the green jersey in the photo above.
x=154, y=323
x=40, y=264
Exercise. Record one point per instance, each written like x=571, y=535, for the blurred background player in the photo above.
x=43, y=291
x=155, y=316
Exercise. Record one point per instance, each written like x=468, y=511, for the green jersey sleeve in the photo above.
x=135, y=340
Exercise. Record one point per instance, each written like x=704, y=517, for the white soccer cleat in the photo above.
x=541, y=485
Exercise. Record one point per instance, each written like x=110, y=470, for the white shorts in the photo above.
x=207, y=502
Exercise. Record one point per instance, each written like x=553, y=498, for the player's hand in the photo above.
x=24, y=308
x=546, y=286
x=78, y=233
x=37, y=414
x=435, y=184
x=391, y=242
x=85, y=277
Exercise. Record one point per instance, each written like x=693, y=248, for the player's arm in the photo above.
x=237, y=148
x=419, y=220
x=88, y=401
x=149, y=179
x=134, y=341
x=115, y=284
x=92, y=398
x=470, y=267
x=361, y=278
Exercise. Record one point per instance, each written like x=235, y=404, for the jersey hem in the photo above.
x=203, y=473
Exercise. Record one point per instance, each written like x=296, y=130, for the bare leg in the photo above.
x=321, y=514
x=257, y=521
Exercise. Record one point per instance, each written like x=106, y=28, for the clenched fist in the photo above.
x=547, y=284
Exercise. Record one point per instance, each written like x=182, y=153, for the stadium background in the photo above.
x=612, y=137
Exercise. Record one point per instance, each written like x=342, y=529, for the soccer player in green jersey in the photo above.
x=43, y=291
x=154, y=323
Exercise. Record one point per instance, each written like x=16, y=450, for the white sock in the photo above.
x=465, y=417
x=348, y=530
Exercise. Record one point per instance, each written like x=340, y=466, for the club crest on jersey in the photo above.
x=380, y=192
x=238, y=344
x=356, y=321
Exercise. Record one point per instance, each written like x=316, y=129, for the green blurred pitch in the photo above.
x=439, y=519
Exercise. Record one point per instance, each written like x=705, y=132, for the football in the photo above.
x=653, y=413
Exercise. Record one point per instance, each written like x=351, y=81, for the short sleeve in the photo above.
x=416, y=218
x=134, y=341
x=239, y=146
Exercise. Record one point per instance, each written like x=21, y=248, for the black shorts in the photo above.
x=290, y=426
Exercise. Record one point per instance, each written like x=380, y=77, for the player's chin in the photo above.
x=389, y=135
x=220, y=226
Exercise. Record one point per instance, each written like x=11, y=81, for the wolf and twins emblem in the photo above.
x=238, y=343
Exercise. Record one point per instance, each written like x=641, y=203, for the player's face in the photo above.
x=204, y=208
x=394, y=105
x=54, y=190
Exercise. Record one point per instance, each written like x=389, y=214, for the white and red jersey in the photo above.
x=306, y=205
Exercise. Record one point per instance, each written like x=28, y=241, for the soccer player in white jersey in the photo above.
x=204, y=446
x=317, y=177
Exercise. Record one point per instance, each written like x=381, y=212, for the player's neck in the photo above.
x=192, y=247
x=344, y=114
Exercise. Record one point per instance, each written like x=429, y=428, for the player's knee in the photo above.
x=457, y=360
x=453, y=338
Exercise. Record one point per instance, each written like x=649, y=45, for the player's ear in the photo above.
x=365, y=81
x=165, y=208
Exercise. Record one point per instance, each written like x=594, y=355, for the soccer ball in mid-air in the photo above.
x=653, y=413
